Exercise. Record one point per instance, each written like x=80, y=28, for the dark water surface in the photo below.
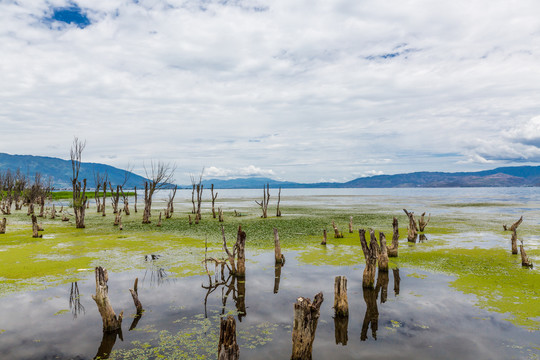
x=417, y=316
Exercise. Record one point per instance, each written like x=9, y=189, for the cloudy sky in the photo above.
x=300, y=90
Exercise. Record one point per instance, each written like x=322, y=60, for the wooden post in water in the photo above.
x=228, y=348
x=277, y=276
x=135, y=295
x=341, y=303
x=413, y=228
x=35, y=228
x=422, y=223
x=241, y=253
x=306, y=316
x=3, y=226
x=111, y=322
x=324, y=237
x=393, y=248
x=280, y=258
x=370, y=255
x=337, y=233
x=524, y=258
x=382, y=254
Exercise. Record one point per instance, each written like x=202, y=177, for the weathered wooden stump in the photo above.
x=341, y=303
x=350, y=225
x=118, y=217
x=3, y=226
x=280, y=258
x=422, y=223
x=240, y=252
x=306, y=316
x=35, y=228
x=412, y=228
x=370, y=255
x=135, y=295
x=393, y=248
x=337, y=233
x=382, y=253
x=524, y=258
x=228, y=348
x=324, y=238
x=514, y=242
x=111, y=322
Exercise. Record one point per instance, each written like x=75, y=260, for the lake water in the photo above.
x=411, y=314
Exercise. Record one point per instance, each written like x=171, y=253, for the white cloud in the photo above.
x=320, y=85
x=215, y=172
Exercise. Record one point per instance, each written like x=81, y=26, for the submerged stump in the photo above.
x=306, y=317
x=111, y=322
x=228, y=348
x=393, y=248
x=370, y=255
x=280, y=258
x=341, y=303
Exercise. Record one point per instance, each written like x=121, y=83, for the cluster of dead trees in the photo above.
x=525, y=261
x=18, y=190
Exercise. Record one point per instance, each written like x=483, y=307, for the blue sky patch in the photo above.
x=70, y=15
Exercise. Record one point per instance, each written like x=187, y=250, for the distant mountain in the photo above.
x=60, y=170
x=499, y=177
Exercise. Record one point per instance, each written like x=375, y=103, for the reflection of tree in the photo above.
x=396, y=281
x=75, y=300
x=422, y=238
x=341, y=325
x=158, y=275
x=277, y=276
x=382, y=285
x=235, y=285
x=372, y=313
x=107, y=343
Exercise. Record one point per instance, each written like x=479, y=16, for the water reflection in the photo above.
x=107, y=343
x=371, y=318
x=422, y=238
x=277, y=276
x=231, y=285
x=397, y=279
x=75, y=300
x=158, y=275
x=341, y=328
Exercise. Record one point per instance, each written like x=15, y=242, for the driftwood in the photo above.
x=324, y=237
x=306, y=316
x=370, y=255
x=350, y=225
x=337, y=233
x=111, y=322
x=280, y=258
x=228, y=348
x=412, y=228
x=264, y=202
x=3, y=226
x=393, y=248
x=422, y=223
x=524, y=258
x=341, y=303
x=135, y=295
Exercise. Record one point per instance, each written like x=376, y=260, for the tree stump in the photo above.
x=370, y=255
x=306, y=316
x=337, y=233
x=393, y=248
x=280, y=258
x=53, y=212
x=220, y=214
x=35, y=228
x=135, y=295
x=412, y=228
x=524, y=258
x=241, y=253
x=117, y=217
x=278, y=211
x=382, y=254
x=3, y=226
x=422, y=223
x=189, y=219
x=228, y=348
x=514, y=242
x=324, y=237
x=350, y=225
x=341, y=303
x=110, y=321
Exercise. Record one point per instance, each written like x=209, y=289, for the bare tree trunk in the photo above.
x=147, y=204
x=264, y=203
x=79, y=202
x=110, y=321
x=194, y=211
x=524, y=258
x=514, y=242
x=382, y=254
x=3, y=226
x=341, y=303
x=159, y=221
x=35, y=228
x=324, y=237
x=413, y=228
x=280, y=258
x=231, y=256
x=393, y=249
x=306, y=317
x=370, y=255
x=135, y=205
x=278, y=211
x=214, y=197
x=135, y=295
x=422, y=223
x=220, y=214
x=240, y=245
x=104, y=198
x=53, y=212
x=350, y=225
x=118, y=218
x=228, y=348
x=199, y=200
x=337, y=233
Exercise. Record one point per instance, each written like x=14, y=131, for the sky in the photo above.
x=297, y=90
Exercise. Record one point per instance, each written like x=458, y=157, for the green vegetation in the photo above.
x=68, y=195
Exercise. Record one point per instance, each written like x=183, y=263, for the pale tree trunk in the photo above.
x=3, y=226
x=279, y=257
x=111, y=322
x=341, y=303
x=306, y=317
x=413, y=228
x=278, y=211
x=370, y=255
x=393, y=248
x=422, y=223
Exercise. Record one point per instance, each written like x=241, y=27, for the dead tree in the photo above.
x=237, y=259
x=220, y=214
x=103, y=206
x=79, y=191
x=135, y=204
x=413, y=228
x=135, y=295
x=306, y=317
x=158, y=176
x=350, y=225
x=35, y=228
x=370, y=255
x=197, y=186
x=513, y=229
x=3, y=226
x=393, y=248
x=111, y=322
x=277, y=276
x=278, y=211
x=337, y=233
x=341, y=303
x=323, y=242
x=382, y=253
x=53, y=212
x=214, y=197
x=115, y=197
x=118, y=218
x=524, y=258
x=228, y=348
x=264, y=202
x=125, y=200
x=422, y=223
x=100, y=179
x=280, y=258
x=159, y=220
x=170, y=204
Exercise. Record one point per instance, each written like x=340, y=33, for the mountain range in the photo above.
x=60, y=171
